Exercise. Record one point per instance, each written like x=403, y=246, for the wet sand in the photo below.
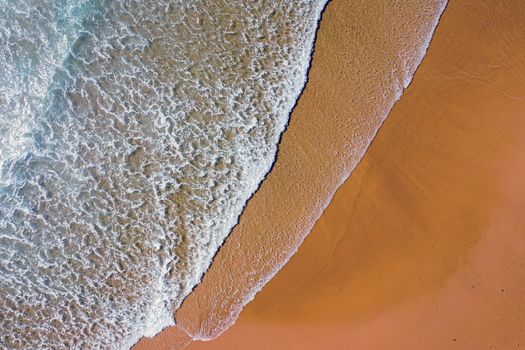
x=423, y=247
x=366, y=53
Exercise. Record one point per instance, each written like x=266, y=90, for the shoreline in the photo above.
x=317, y=154
x=422, y=247
x=304, y=172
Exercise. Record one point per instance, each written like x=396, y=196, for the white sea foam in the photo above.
x=131, y=135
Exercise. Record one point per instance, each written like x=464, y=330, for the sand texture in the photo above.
x=366, y=54
x=423, y=247
x=375, y=53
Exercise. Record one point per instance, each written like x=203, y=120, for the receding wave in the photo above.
x=366, y=54
x=131, y=135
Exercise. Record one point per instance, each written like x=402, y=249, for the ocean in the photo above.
x=132, y=133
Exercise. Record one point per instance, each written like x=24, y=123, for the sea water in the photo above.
x=132, y=133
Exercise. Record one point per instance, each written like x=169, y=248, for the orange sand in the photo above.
x=424, y=246
x=365, y=53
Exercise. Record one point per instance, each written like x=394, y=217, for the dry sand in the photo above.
x=423, y=247
x=366, y=53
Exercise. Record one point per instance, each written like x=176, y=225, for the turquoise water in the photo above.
x=131, y=135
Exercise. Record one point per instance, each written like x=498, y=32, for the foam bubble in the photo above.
x=132, y=135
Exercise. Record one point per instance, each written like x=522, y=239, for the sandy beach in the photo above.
x=423, y=245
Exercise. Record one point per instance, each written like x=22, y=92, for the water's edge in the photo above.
x=316, y=215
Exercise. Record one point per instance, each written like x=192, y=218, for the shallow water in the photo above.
x=423, y=246
x=132, y=134
x=366, y=54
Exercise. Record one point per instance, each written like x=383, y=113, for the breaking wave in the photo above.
x=131, y=135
